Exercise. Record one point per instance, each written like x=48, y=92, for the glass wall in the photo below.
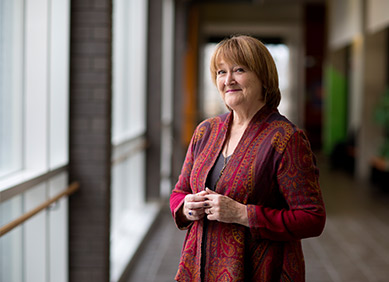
x=280, y=53
x=34, y=67
x=129, y=69
x=11, y=73
x=10, y=244
x=129, y=127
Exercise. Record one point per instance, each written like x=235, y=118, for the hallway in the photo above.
x=353, y=247
x=104, y=95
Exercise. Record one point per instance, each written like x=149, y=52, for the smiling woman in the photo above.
x=248, y=190
x=254, y=57
x=212, y=105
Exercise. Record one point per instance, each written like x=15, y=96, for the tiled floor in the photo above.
x=353, y=247
x=158, y=260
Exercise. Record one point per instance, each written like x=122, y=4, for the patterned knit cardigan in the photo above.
x=273, y=172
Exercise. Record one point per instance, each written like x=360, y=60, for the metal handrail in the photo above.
x=73, y=187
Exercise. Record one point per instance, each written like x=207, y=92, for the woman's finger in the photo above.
x=209, y=191
x=196, y=197
x=195, y=205
x=195, y=214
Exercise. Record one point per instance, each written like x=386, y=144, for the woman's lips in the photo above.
x=232, y=90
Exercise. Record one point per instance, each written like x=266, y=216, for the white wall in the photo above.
x=377, y=17
x=345, y=22
x=374, y=78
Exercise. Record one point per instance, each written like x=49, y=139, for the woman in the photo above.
x=248, y=190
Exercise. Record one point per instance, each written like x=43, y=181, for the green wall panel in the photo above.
x=335, y=115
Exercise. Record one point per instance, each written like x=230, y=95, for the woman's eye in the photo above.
x=220, y=72
x=239, y=70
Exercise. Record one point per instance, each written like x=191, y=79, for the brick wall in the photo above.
x=153, y=110
x=90, y=139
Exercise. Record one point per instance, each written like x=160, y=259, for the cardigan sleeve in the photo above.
x=297, y=178
x=182, y=187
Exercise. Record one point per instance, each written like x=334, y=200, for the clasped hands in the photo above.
x=215, y=207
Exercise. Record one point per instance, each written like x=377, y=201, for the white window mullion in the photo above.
x=167, y=94
x=59, y=82
x=36, y=74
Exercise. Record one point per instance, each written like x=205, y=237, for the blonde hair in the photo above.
x=250, y=52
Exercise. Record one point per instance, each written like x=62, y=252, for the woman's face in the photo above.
x=239, y=87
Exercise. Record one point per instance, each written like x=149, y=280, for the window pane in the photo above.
x=280, y=53
x=11, y=60
x=129, y=69
x=211, y=102
x=136, y=88
x=11, y=243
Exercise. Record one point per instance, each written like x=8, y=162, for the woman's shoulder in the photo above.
x=278, y=120
x=213, y=121
x=208, y=125
x=282, y=130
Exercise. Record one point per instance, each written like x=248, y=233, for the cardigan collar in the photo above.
x=258, y=118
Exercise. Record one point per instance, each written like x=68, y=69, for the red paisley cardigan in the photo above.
x=273, y=172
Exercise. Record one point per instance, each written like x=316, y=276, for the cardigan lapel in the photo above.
x=240, y=155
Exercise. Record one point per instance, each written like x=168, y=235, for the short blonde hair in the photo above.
x=250, y=52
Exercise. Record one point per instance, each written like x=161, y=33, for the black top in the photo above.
x=214, y=173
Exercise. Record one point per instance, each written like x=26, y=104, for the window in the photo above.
x=128, y=129
x=34, y=66
x=11, y=74
x=129, y=69
x=280, y=53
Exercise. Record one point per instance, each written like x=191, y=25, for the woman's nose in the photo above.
x=229, y=79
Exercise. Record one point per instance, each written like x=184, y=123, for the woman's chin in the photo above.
x=232, y=103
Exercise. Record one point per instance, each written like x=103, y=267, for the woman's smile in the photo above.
x=233, y=90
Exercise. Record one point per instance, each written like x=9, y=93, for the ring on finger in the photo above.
x=190, y=212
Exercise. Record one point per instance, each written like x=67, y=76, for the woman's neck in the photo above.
x=241, y=119
x=240, y=122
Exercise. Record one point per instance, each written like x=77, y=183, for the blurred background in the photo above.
x=98, y=102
